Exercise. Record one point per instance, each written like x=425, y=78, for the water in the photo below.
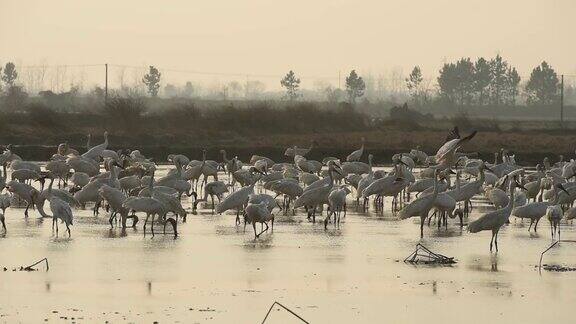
x=215, y=273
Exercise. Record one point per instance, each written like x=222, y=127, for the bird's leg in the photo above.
x=422, y=226
x=491, y=239
x=26, y=211
x=531, y=222
x=152, y=224
x=263, y=230
x=496, y=241
x=314, y=215
x=68, y=229
x=146, y=222
x=536, y=225
x=254, y=226
x=326, y=221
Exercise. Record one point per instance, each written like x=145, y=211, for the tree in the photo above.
x=254, y=89
x=414, y=84
x=448, y=82
x=10, y=74
x=498, y=82
x=482, y=80
x=291, y=83
x=15, y=98
x=333, y=95
x=542, y=88
x=170, y=91
x=512, y=82
x=152, y=81
x=456, y=82
x=188, y=90
x=355, y=86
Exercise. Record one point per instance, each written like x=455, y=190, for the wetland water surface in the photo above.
x=215, y=273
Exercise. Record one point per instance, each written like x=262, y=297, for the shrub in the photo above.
x=124, y=113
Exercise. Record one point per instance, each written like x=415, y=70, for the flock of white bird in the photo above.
x=123, y=182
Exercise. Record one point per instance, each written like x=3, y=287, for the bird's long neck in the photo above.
x=224, y=157
x=113, y=174
x=554, y=200
x=481, y=177
x=88, y=147
x=151, y=184
x=510, y=204
x=370, y=164
x=457, y=181
x=435, y=193
x=49, y=190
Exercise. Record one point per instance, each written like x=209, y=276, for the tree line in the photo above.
x=462, y=83
x=487, y=82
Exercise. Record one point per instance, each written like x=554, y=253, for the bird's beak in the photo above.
x=337, y=169
x=561, y=187
x=487, y=168
x=519, y=185
x=400, y=161
x=451, y=171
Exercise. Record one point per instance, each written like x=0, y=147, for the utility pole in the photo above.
x=106, y=85
x=562, y=100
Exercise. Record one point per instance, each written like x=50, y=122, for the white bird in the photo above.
x=536, y=210
x=61, y=210
x=214, y=188
x=356, y=155
x=318, y=195
x=365, y=181
x=236, y=200
x=494, y=220
x=25, y=192
x=289, y=188
x=446, y=156
x=83, y=165
x=554, y=214
x=95, y=153
x=421, y=206
x=337, y=203
x=293, y=151
x=258, y=213
x=116, y=198
x=148, y=205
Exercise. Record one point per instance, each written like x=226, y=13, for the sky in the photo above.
x=315, y=38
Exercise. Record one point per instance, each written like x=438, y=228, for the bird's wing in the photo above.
x=485, y=222
x=453, y=134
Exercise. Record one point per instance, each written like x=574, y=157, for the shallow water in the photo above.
x=215, y=273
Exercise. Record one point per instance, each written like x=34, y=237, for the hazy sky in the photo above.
x=313, y=37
